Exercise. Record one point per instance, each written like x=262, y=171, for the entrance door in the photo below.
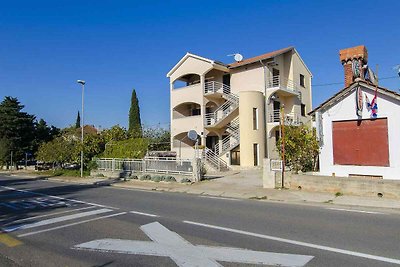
x=277, y=108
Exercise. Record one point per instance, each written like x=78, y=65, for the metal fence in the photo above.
x=148, y=164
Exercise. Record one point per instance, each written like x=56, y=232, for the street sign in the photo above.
x=169, y=244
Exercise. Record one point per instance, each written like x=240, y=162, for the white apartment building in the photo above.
x=235, y=108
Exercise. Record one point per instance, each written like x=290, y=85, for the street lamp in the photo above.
x=82, y=123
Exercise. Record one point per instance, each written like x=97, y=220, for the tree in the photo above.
x=135, y=126
x=301, y=148
x=43, y=133
x=59, y=150
x=78, y=121
x=159, y=139
x=16, y=126
x=4, y=151
x=115, y=133
x=134, y=148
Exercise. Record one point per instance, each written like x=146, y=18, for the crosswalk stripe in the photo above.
x=50, y=214
x=71, y=224
x=55, y=220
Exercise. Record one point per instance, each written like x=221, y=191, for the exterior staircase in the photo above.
x=214, y=161
x=230, y=106
x=232, y=140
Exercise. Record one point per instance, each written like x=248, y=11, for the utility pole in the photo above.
x=82, y=124
x=11, y=160
x=283, y=143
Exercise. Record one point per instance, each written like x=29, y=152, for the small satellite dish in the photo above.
x=192, y=135
x=238, y=57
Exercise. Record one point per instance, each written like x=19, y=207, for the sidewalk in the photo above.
x=245, y=185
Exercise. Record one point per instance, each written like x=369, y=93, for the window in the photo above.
x=303, y=110
x=255, y=118
x=255, y=151
x=302, y=80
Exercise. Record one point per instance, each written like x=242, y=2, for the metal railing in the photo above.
x=284, y=83
x=222, y=111
x=213, y=159
x=148, y=164
x=291, y=118
x=216, y=87
x=232, y=140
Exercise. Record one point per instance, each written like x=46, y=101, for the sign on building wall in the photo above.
x=359, y=101
x=361, y=142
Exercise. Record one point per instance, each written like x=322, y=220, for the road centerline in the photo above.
x=299, y=243
x=143, y=213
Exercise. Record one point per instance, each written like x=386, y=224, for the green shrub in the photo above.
x=100, y=175
x=92, y=165
x=169, y=179
x=185, y=180
x=134, y=177
x=156, y=178
x=145, y=177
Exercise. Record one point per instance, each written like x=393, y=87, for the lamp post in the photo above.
x=82, y=122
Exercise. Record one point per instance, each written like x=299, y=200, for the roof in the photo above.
x=244, y=62
x=187, y=55
x=260, y=57
x=346, y=90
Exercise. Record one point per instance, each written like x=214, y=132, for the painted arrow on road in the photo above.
x=169, y=244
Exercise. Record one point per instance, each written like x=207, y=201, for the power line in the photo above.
x=328, y=84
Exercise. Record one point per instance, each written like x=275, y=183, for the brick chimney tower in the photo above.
x=353, y=59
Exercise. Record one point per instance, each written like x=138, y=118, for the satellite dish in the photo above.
x=238, y=57
x=192, y=135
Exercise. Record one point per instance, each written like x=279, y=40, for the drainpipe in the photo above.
x=265, y=109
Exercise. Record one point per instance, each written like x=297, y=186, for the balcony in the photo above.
x=283, y=86
x=291, y=118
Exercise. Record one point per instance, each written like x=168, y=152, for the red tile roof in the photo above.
x=260, y=57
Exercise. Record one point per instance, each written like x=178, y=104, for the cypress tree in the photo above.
x=135, y=126
x=78, y=121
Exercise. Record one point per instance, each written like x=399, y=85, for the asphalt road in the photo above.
x=46, y=223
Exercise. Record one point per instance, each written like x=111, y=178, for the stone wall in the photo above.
x=345, y=185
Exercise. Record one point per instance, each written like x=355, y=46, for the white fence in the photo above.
x=156, y=165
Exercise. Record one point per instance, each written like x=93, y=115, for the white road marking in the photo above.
x=299, y=243
x=358, y=211
x=66, y=199
x=169, y=244
x=54, y=220
x=135, y=189
x=144, y=214
x=50, y=214
x=71, y=224
x=223, y=198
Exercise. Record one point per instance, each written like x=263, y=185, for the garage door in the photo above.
x=361, y=142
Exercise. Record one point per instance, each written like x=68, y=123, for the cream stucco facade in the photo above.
x=235, y=108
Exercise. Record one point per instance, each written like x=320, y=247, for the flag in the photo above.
x=372, y=106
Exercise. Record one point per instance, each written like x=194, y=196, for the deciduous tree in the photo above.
x=301, y=148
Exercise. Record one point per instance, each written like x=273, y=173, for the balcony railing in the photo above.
x=291, y=118
x=216, y=87
x=283, y=83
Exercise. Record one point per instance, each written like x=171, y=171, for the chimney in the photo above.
x=353, y=59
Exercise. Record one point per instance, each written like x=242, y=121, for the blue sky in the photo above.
x=45, y=46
